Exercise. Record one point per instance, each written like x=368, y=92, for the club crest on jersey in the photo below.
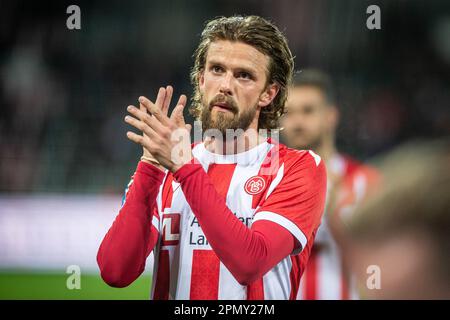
x=254, y=185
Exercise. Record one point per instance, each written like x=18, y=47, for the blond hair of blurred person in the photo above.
x=403, y=232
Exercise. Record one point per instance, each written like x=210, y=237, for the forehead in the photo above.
x=305, y=95
x=237, y=54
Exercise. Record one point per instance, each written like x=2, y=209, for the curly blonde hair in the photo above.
x=263, y=36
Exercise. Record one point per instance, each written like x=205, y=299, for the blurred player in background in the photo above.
x=236, y=218
x=401, y=237
x=310, y=122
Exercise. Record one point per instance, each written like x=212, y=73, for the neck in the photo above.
x=234, y=144
x=327, y=149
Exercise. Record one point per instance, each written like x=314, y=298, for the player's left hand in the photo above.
x=169, y=138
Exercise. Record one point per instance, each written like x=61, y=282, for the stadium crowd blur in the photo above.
x=63, y=92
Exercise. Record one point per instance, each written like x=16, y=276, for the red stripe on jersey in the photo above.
x=167, y=192
x=205, y=275
x=163, y=277
x=205, y=263
x=274, y=159
x=311, y=276
x=295, y=275
x=268, y=171
x=344, y=283
x=258, y=198
x=220, y=175
x=255, y=291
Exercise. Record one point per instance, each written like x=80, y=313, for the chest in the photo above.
x=243, y=189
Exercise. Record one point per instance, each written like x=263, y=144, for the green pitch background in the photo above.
x=43, y=285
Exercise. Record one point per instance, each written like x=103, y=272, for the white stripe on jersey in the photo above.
x=315, y=156
x=229, y=288
x=276, y=284
x=155, y=222
x=286, y=223
x=276, y=181
x=329, y=283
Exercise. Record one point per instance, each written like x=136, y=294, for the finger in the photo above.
x=145, y=142
x=160, y=98
x=182, y=100
x=154, y=110
x=177, y=116
x=137, y=138
x=148, y=119
x=143, y=109
x=189, y=127
x=142, y=126
x=167, y=100
x=176, y=113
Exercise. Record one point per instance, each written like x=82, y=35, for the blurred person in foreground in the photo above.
x=401, y=235
x=233, y=216
x=310, y=122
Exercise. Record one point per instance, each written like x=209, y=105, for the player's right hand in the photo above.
x=162, y=102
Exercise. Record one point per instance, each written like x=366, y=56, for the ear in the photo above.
x=333, y=117
x=201, y=79
x=268, y=95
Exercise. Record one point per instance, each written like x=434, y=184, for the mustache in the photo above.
x=223, y=99
x=297, y=130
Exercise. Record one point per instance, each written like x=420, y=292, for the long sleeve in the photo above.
x=131, y=238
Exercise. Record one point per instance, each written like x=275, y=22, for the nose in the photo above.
x=225, y=84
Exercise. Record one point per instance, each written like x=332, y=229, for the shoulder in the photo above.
x=292, y=157
x=357, y=168
x=300, y=162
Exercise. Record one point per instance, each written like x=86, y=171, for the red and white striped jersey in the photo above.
x=326, y=277
x=186, y=267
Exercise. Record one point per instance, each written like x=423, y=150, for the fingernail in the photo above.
x=129, y=108
x=141, y=99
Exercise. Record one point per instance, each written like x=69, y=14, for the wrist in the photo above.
x=152, y=161
x=185, y=170
x=175, y=168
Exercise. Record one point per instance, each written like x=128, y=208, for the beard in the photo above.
x=300, y=140
x=313, y=145
x=233, y=119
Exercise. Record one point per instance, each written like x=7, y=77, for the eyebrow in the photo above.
x=249, y=70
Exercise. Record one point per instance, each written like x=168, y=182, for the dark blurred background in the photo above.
x=63, y=93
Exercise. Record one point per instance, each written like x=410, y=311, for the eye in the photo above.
x=244, y=75
x=216, y=69
x=308, y=109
